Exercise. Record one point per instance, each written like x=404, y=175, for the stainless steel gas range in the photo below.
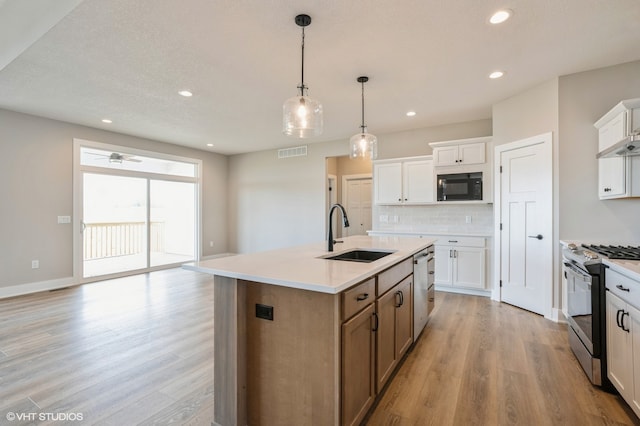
x=584, y=271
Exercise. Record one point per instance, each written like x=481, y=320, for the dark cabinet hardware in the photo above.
x=537, y=237
x=620, y=287
x=363, y=296
x=622, y=321
x=618, y=318
x=375, y=321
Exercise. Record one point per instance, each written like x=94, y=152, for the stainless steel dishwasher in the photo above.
x=423, y=289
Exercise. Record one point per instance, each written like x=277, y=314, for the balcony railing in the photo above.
x=102, y=240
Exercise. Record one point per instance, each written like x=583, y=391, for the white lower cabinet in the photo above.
x=623, y=339
x=461, y=262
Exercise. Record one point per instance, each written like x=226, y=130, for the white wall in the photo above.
x=530, y=113
x=584, y=98
x=36, y=170
x=568, y=106
x=276, y=203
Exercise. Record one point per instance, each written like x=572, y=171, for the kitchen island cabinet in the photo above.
x=292, y=342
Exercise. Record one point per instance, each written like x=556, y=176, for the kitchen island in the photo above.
x=289, y=324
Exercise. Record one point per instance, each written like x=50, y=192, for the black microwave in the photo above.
x=460, y=187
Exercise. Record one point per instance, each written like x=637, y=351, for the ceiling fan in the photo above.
x=116, y=157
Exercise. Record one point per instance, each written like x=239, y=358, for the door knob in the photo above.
x=537, y=237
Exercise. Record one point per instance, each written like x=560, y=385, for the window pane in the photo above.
x=173, y=226
x=115, y=224
x=123, y=161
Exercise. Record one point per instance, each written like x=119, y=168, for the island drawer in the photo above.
x=393, y=275
x=358, y=297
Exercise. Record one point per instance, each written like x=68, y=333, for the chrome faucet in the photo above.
x=346, y=224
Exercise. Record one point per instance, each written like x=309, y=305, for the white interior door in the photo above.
x=356, y=195
x=525, y=215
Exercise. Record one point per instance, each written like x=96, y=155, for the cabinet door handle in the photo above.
x=453, y=241
x=537, y=237
x=618, y=318
x=620, y=287
x=622, y=321
x=363, y=296
x=401, y=298
x=398, y=299
x=375, y=321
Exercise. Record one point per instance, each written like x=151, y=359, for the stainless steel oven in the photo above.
x=585, y=304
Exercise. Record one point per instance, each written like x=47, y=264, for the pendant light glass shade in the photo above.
x=363, y=144
x=302, y=115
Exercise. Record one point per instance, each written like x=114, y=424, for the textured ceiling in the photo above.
x=126, y=60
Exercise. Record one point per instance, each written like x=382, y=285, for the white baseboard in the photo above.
x=470, y=291
x=29, y=288
x=215, y=256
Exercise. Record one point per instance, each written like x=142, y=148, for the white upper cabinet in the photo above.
x=616, y=177
x=459, y=154
x=404, y=181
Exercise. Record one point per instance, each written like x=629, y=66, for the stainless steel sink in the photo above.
x=365, y=256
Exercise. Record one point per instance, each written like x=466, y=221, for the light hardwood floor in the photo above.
x=138, y=350
x=128, y=351
x=480, y=362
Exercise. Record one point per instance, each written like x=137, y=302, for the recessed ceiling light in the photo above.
x=209, y=144
x=496, y=74
x=500, y=16
x=411, y=113
x=185, y=93
x=106, y=120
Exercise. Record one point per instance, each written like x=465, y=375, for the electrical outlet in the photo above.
x=264, y=311
x=467, y=219
x=64, y=219
x=384, y=218
x=210, y=243
x=35, y=264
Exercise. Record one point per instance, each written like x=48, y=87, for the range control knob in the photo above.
x=590, y=255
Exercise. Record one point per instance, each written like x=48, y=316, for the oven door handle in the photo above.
x=585, y=277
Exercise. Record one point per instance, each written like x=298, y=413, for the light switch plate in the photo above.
x=64, y=219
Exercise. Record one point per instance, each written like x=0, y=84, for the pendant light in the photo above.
x=363, y=144
x=302, y=115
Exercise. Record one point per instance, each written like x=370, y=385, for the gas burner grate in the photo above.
x=615, y=252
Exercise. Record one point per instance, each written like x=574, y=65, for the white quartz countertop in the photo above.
x=304, y=268
x=630, y=268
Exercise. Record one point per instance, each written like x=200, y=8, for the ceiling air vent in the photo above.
x=297, y=151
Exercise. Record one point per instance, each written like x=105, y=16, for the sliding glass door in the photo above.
x=172, y=222
x=137, y=212
x=114, y=224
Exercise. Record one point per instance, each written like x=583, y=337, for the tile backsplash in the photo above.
x=436, y=218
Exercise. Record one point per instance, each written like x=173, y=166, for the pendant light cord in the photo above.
x=363, y=126
x=302, y=86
